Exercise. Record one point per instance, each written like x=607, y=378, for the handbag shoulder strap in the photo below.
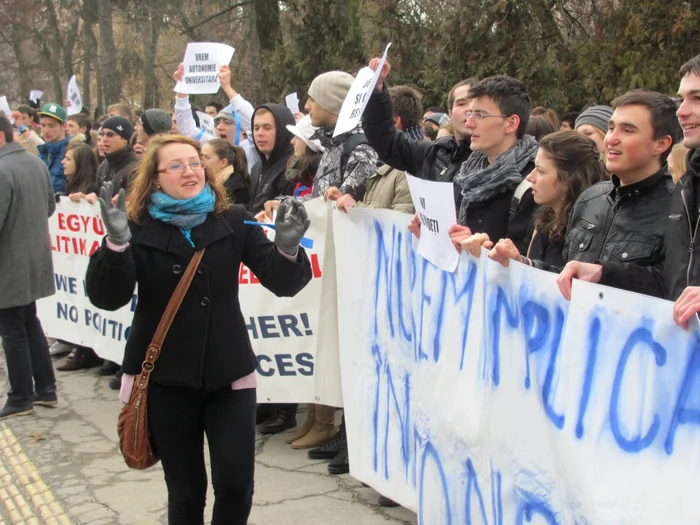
x=153, y=351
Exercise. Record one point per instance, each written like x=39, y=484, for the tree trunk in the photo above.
x=150, y=33
x=108, y=54
x=255, y=62
x=87, y=62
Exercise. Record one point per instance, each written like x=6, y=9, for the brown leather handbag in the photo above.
x=132, y=426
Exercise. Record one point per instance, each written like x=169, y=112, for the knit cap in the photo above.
x=120, y=126
x=597, y=116
x=156, y=121
x=438, y=118
x=330, y=89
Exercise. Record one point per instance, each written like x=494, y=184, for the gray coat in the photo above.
x=26, y=203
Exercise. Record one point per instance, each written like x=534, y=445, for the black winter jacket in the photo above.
x=118, y=168
x=540, y=247
x=618, y=226
x=681, y=268
x=207, y=345
x=439, y=161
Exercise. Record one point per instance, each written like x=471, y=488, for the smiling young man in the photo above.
x=622, y=222
x=52, y=119
x=678, y=278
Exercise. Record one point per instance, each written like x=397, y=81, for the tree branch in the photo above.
x=212, y=17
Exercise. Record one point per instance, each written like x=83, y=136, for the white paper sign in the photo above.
x=35, y=95
x=5, y=108
x=433, y=203
x=73, y=95
x=206, y=122
x=202, y=62
x=358, y=97
x=292, y=101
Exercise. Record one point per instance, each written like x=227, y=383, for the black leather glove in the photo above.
x=290, y=225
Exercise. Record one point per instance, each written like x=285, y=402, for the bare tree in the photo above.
x=111, y=86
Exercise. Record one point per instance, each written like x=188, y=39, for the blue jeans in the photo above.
x=178, y=419
x=27, y=355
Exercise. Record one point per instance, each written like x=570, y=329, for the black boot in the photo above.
x=341, y=463
x=281, y=418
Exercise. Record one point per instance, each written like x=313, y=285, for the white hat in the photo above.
x=305, y=130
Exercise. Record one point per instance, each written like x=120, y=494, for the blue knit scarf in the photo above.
x=185, y=214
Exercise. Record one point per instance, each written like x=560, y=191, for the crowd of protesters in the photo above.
x=607, y=194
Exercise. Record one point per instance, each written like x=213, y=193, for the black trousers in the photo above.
x=27, y=355
x=178, y=419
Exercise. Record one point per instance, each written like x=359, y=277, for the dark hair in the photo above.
x=570, y=117
x=578, y=167
x=218, y=106
x=122, y=110
x=307, y=166
x=550, y=114
x=663, y=114
x=691, y=66
x=6, y=129
x=235, y=155
x=434, y=109
x=85, y=178
x=539, y=126
x=430, y=132
x=83, y=121
x=406, y=103
x=451, y=95
x=26, y=110
x=509, y=94
x=137, y=114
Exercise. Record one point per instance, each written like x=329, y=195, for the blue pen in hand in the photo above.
x=305, y=241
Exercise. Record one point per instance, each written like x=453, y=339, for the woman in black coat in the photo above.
x=566, y=164
x=204, y=380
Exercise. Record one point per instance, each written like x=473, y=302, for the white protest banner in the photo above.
x=482, y=396
x=357, y=98
x=202, y=62
x=76, y=231
x=73, y=95
x=292, y=101
x=436, y=218
x=5, y=108
x=35, y=95
x=206, y=122
x=283, y=331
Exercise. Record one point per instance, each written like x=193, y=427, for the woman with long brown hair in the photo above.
x=566, y=164
x=230, y=167
x=204, y=379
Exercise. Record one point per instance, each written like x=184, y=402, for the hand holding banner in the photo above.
x=202, y=63
x=292, y=101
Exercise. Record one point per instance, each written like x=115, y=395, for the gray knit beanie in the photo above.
x=330, y=89
x=156, y=121
x=597, y=116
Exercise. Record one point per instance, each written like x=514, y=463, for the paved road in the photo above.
x=61, y=466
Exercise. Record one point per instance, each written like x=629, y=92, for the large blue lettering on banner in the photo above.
x=483, y=397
